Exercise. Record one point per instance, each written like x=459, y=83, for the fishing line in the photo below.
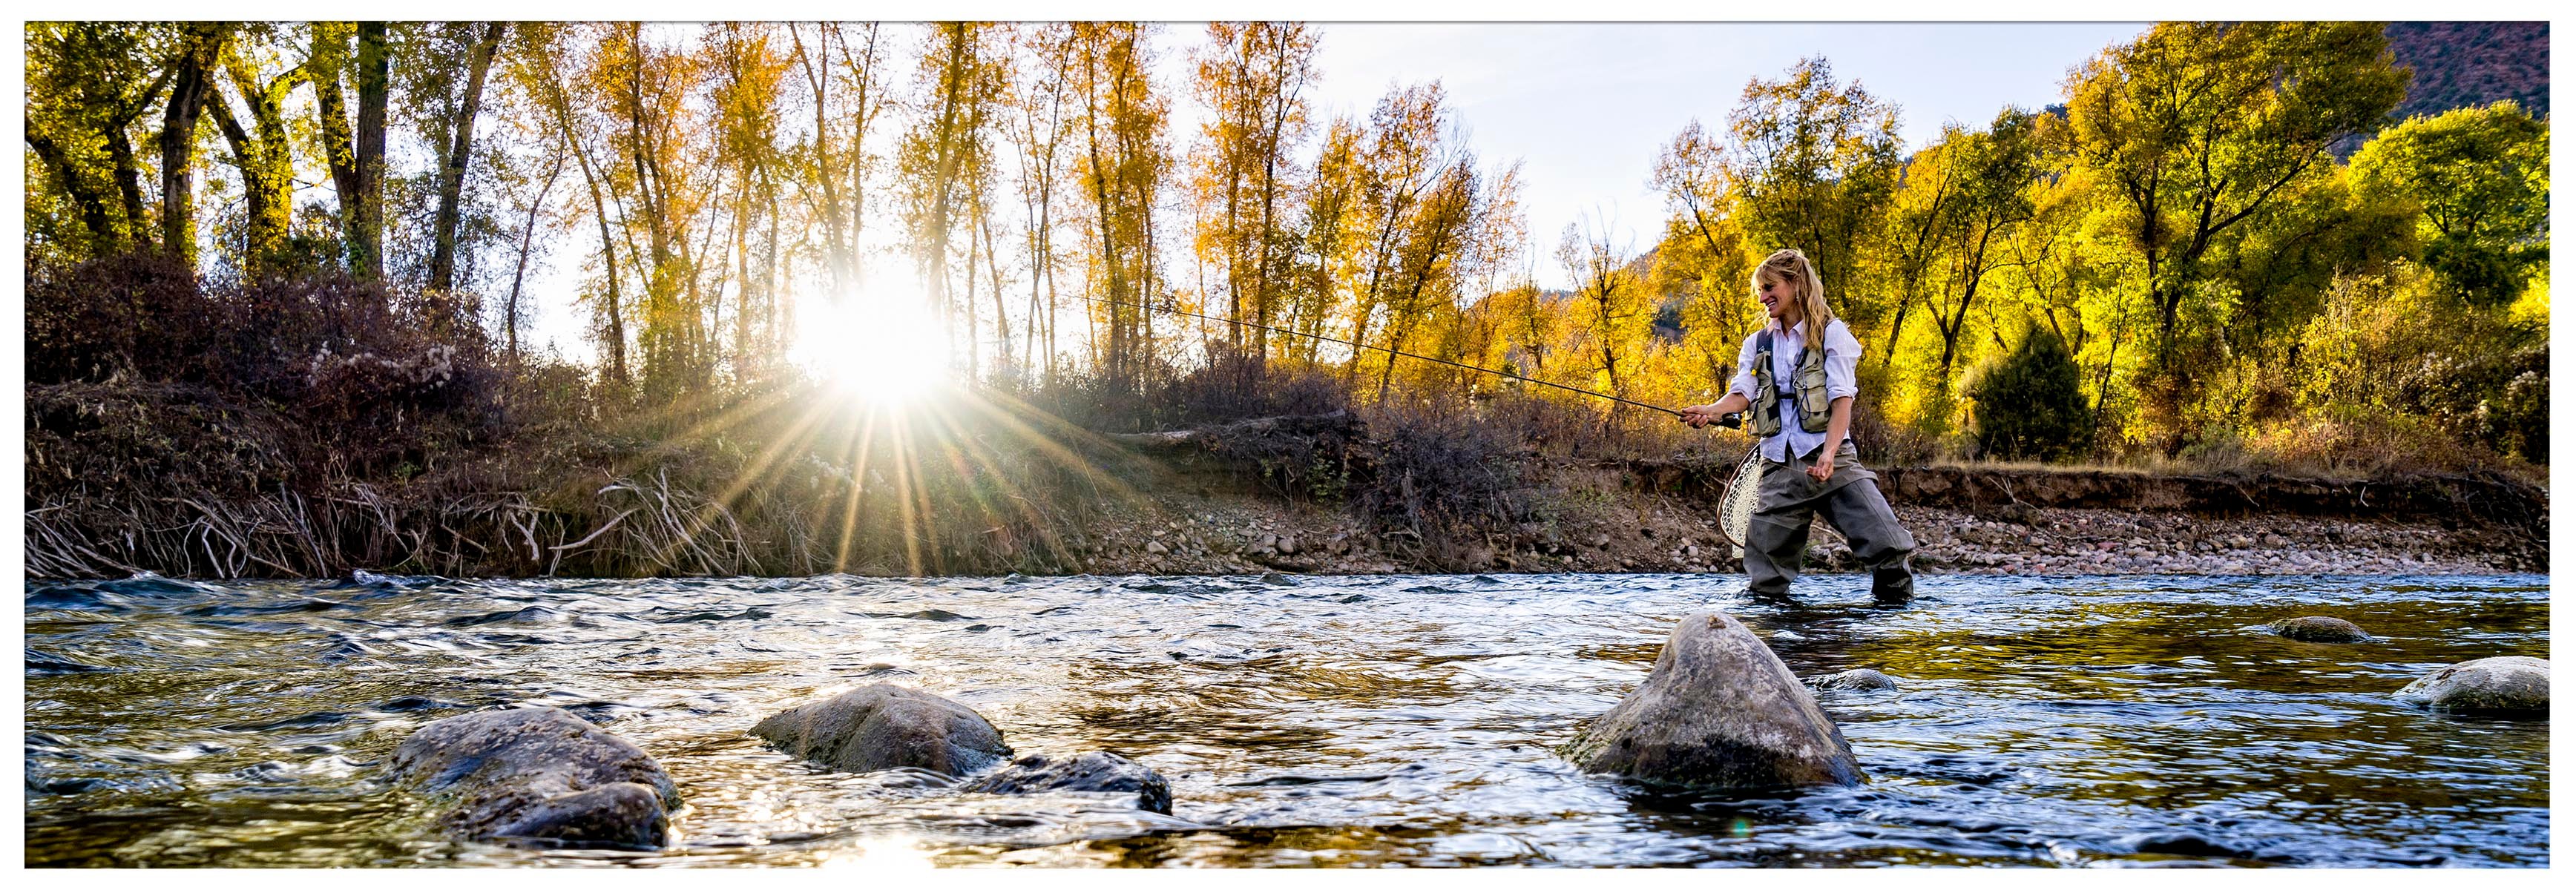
x=1443, y=361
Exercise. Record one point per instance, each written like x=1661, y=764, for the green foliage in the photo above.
x=2199, y=130
x=2477, y=182
x=1815, y=162
x=2031, y=403
x=2409, y=346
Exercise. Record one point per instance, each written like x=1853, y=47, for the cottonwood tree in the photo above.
x=843, y=66
x=89, y=87
x=2197, y=128
x=944, y=167
x=1251, y=79
x=2476, y=181
x=1813, y=165
x=1123, y=157
x=1041, y=119
x=354, y=145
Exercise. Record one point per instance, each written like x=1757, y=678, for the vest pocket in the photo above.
x=1815, y=408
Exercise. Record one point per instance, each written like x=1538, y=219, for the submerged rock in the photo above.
x=2319, y=629
x=2184, y=843
x=887, y=726
x=1857, y=680
x=1721, y=711
x=1091, y=771
x=539, y=773
x=2513, y=684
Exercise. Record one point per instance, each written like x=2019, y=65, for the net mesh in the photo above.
x=1735, y=510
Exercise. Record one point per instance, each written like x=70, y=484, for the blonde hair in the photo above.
x=1791, y=265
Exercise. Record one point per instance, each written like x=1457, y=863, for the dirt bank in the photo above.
x=1660, y=517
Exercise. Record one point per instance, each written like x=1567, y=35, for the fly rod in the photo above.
x=1400, y=352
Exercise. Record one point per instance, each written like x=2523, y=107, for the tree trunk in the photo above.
x=93, y=206
x=375, y=89
x=188, y=91
x=527, y=233
x=451, y=176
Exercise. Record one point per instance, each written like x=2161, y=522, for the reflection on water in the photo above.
x=1326, y=722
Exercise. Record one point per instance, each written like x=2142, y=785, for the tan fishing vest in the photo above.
x=1814, y=408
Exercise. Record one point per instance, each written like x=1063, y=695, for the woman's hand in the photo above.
x=1824, y=468
x=1699, y=416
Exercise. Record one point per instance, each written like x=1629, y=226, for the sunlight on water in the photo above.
x=1346, y=721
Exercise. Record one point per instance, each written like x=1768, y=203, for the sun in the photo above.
x=881, y=346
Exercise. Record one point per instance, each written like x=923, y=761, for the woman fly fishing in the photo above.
x=1805, y=426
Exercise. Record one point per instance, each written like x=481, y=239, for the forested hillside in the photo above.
x=2464, y=64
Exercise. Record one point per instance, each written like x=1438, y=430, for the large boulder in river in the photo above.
x=2512, y=684
x=2319, y=629
x=1095, y=771
x=884, y=727
x=539, y=773
x=1719, y=711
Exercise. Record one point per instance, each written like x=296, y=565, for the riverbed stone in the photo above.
x=1719, y=711
x=1095, y=771
x=2511, y=684
x=885, y=726
x=539, y=773
x=2319, y=629
x=1856, y=680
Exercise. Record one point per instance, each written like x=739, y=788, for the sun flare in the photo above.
x=882, y=346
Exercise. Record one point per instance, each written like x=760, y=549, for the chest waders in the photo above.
x=1784, y=501
x=1743, y=493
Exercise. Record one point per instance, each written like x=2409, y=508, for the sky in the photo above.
x=1587, y=106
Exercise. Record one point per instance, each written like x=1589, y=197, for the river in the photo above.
x=1302, y=721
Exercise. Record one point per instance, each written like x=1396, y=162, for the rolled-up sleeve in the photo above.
x=1842, y=361
x=1743, y=384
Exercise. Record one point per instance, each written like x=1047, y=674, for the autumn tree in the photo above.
x=843, y=66
x=2198, y=128
x=1251, y=79
x=482, y=41
x=1123, y=159
x=1995, y=170
x=89, y=86
x=1814, y=162
x=1042, y=116
x=354, y=143
x=1704, y=242
x=2476, y=181
x=1611, y=314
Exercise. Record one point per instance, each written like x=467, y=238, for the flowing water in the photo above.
x=1312, y=721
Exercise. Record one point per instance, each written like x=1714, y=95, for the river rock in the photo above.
x=2508, y=684
x=1090, y=771
x=1856, y=679
x=2319, y=629
x=1720, y=711
x=539, y=773
x=885, y=726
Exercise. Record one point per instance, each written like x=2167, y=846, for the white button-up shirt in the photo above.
x=1842, y=356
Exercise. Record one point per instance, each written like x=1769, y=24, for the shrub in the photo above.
x=383, y=377
x=2030, y=404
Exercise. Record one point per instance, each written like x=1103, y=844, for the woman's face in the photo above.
x=1780, y=298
